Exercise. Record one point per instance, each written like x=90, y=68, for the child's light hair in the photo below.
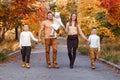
x=57, y=13
x=26, y=25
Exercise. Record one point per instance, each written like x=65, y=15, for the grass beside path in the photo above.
x=110, y=51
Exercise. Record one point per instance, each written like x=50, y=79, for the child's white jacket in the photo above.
x=25, y=38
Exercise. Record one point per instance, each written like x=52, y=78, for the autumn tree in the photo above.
x=66, y=7
x=113, y=10
x=16, y=12
x=5, y=19
x=91, y=14
x=113, y=13
x=10, y=16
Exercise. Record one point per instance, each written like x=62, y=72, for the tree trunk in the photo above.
x=101, y=38
x=16, y=33
x=2, y=37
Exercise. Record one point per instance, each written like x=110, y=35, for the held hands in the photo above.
x=88, y=42
x=99, y=51
x=20, y=47
x=64, y=28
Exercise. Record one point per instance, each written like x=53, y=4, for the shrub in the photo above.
x=116, y=58
x=6, y=51
x=110, y=55
x=83, y=50
x=113, y=58
x=3, y=56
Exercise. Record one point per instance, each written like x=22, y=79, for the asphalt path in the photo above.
x=13, y=71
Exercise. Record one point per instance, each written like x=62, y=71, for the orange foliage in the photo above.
x=42, y=15
x=106, y=32
x=109, y=3
x=34, y=18
x=113, y=9
x=114, y=15
x=25, y=21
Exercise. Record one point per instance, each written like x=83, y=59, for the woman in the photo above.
x=73, y=30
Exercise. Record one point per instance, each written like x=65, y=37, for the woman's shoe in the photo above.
x=71, y=66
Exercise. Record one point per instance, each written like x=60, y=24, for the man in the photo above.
x=49, y=40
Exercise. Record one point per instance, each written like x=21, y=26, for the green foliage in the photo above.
x=106, y=24
x=4, y=54
x=6, y=51
x=103, y=21
x=83, y=49
x=108, y=47
x=111, y=52
x=100, y=16
x=112, y=56
x=116, y=30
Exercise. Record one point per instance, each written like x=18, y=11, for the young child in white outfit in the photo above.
x=25, y=45
x=94, y=41
x=57, y=23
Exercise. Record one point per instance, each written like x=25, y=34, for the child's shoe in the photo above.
x=92, y=65
x=27, y=65
x=23, y=64
x=49, y=65
x=55, y=65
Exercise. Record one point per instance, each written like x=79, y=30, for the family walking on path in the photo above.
x=51, y=27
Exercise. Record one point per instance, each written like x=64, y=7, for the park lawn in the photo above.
x=110, y=50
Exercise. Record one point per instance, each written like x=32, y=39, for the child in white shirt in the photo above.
x=57, y=23
x=25, y=45
x=94, y=41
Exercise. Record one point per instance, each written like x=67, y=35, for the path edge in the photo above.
x=14, y=52
x=110, y=64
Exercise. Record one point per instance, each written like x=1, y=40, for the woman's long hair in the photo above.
x=70, y=21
